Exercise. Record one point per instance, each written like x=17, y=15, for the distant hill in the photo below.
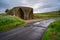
x=53, y=14
x=49, y=13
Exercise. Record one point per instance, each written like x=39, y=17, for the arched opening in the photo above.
x=21, y=13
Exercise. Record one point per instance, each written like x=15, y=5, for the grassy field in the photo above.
x=53, y=32
x=47, y=15
x=9, y=22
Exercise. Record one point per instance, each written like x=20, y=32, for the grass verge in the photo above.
x=53, y=32
x=9, y=22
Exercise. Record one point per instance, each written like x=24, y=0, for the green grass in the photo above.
x=53, y=32
x=47, y=15
x=9, y=22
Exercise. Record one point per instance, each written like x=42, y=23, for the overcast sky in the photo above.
x=38, y=5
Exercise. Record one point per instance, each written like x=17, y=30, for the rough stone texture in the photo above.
x=22, y=12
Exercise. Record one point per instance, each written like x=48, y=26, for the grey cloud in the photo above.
x=38, y=5
x=3, y=4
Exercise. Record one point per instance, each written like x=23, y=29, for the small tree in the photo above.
x=7, y=11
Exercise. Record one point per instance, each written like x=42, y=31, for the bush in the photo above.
x=8, y=22
x=53, y=32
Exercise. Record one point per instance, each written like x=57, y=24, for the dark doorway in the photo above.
x=21, y=13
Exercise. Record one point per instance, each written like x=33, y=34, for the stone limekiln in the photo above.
x=22, y=12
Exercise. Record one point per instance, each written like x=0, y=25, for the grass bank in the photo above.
x=9, y=22
x=53, y=32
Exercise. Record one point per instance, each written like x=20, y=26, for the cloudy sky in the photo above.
x=38, y=5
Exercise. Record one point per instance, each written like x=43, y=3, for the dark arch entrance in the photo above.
x=21, y=13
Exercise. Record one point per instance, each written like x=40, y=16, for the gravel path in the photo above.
x=31, y=31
